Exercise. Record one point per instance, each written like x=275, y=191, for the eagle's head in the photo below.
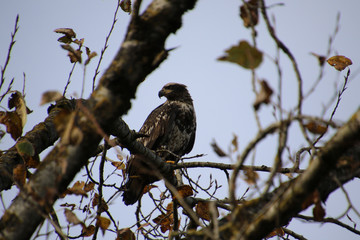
x=175, y=92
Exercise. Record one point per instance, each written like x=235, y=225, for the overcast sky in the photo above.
x=221, y=91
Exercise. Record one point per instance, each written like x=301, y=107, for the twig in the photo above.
x=330, y=220
x=69, y=78
x=346, y=195
x=298, y=156
x=329, y=49
x=341, y=92
x=24, y=81
x=12, y=42
x=101, y=182
x=247, y=6
x=105, y=45
x=294, y=234
x=283, y=133
x=287, y=52
x=8, y=90
x=260, y=135
x=55, y=222
x=224, y=166
x=188, y=210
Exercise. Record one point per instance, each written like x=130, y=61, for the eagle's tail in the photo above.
x=133, y=190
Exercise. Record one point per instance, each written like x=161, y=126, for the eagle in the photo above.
x=169, y=131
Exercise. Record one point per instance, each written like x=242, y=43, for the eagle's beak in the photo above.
x=164, y=92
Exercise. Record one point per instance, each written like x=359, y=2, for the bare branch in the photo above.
x=105, y=44
x=330, y=220
x=224, y=166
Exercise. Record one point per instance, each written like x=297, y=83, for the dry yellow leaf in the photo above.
x=316, y=128
x=185, y=191
x=339, y=62
x=125, y=234
x=264, y=95
x=103, y=223
x=71, y=217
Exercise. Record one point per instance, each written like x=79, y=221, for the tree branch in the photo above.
x=141, y=52
x=256, y=218
x=41, y=137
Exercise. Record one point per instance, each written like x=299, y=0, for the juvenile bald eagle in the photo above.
x=169, y=131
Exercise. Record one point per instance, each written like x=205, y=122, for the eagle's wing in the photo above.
x=157, y=125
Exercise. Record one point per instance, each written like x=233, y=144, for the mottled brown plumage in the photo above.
x=169, y=129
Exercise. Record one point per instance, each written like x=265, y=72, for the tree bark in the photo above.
x=41, y=137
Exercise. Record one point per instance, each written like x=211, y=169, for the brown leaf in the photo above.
x=203, y=210
x=234, y=143
x=12, y=122
x=50, y=96
x=251, y=176
x=19, y=174
x=277, y=232
x=318, y=212
x=217, y=149
x=71, y=217
x=249, y=13
x=170, y=207
x=125, y=234
x=74, y=55
x=102, y=206
x=65, y=39
x=90, y=55
x=147, y=188
x=103, y=223
x=87, y=231
x=165, y=221
x=95, y=200
x=264, y=95
x=126, y=5
x=244, y=55
x=118, y=165
x=71, y=205
x=311, y=199
x=77, y=189
x=69, y=32
x=339, y=62
x=316, y=128
x=89, y=186
x=185, y=191
x=79, y=42
x=15, y=120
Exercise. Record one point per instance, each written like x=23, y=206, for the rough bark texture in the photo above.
x=140, y=53
x=41, y=137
